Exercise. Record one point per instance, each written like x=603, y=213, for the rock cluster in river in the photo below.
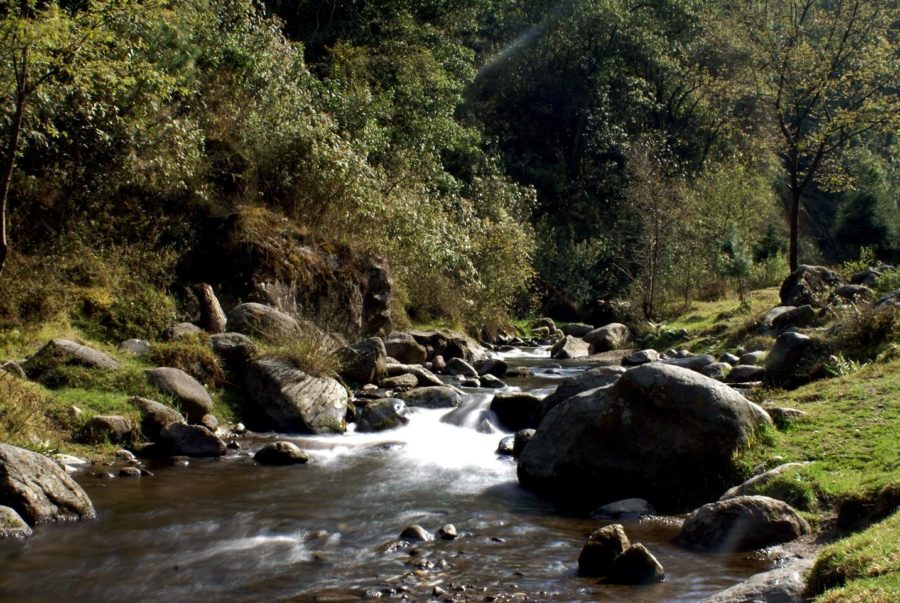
x=609, y=554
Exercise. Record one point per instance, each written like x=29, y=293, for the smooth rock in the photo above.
x=115, y=429
x=610, y=337
x=730, y=359
x=379, y=415
x=491, y=382
x=492, y=366
x=459, y=367
x=643, y=437
x=181, y=331
x=424, y=377
x=281, y=453
x=743, y=373
x=400, y=382
x=781, y=585
x=601, y=549
x=210, y=422
x=782, y=417
x=444, y=396
x=627, y=508
x=769, y=317
x=63, y=352
x=448, y=532
x=190, y=393
x=801, y=316
x=636, y=565
x=692, y=362
x=264, y=322
x=178, y=439
x=641, y=357
x=716, y=370
x=521, y=439
x=569, y=347
x=235, y=350
x=38, y=489
x=515, y=410
x=130, y=472
x=796, y=359
x=743, y=523
x=290, y=400
x=364, y=362
x=570, y=386
x=405, y=348
x=506, y=447
x=752, y=358
x=416, y=533
x=577, y=329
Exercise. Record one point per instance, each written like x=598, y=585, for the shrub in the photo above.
x=22, y=419
x=194, y=358
x=313, y=353
x=861, y=334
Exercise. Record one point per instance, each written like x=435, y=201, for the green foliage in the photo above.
x=862, y=333
x=314, y=352
x=22, y=420
x=887, y=282
x=195, y=358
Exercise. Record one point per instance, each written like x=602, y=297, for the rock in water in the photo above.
x=379, y=415
x=570, y=386
x=154, y=416
x=569, y=347
x=433, y=397
x=743, y=523
x=38, y=489
x=636, y=566
x=403, y=347
x=643, y=437
x=416, y=533
x=281, y=453
x=192, y=396
x=781, y=585
x=292, y=401
x=515, y=410
x=364, y=362
x=601, y=549
x=179, y=439
x=610, y=337
x=12, y=525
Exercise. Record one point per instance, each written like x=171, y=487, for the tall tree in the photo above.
x=827, y=72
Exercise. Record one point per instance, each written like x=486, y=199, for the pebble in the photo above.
x=448, y=532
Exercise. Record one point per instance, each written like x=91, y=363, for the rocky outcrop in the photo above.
x=809, y=285
x=784, y=584
x=379, y=415
x=450, y=345
x=155, y=416
x=38, y=489
x=610, y=337
x=63, y=352
x=284, y=398
x=363, y=362
x=582, y=382
x=643, y=437
x=281, y=453
x=190, y=394
x=796, y=359
x=264, y=322
x=178, y=439
x=743, y=523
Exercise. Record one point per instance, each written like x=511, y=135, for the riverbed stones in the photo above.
x=400, y=382
x=694, y=362
x=460, y=368
x=601, y=549
x=263, y=322
x=444, y=396
x=130, y=472
x=796, y=359
x=569, y=347
x=784, y=584
x=281, y=453
x=154, y=416
x=404, y=348
x=62, y=352
x=492, y=366
x=12, y=525
x=811, y=285
x=627, y=508
x=636, y=565
x=364, y=362
x=742, y=523
x=383, y=414
x=641, y=357
x=38, y=489
x=716, y=370
x=290, y=400
x=570, y=386
x=178, y=439
x=190, y=393
x=756, y=483
x=515, y=410
x=416, y=533
x=115, y=429
x=424, y=377
x=577, y=329
x=506, y=446
x=610, y=337
x=491, y=382
x=448, y=532
x=643, y=437
x=521, y=439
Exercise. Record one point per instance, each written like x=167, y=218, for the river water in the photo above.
x=228, y=530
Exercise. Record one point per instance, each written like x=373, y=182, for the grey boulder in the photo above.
x=155, y=416
x=190, y=393
x=263, y=322
x=786, y=584
x=443, y=396
x=281, y=453
x=12, y=525
x=610, y=337
x=364, y=362
x=515, y=410
x=569, y=347
x=404, y=347
x=379, y=415
x=178, y=439
x=570, y=386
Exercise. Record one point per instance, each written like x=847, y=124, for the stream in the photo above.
x=229, y=530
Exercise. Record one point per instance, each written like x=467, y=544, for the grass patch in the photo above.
x=863, y=567
x=314, y=352
x=193, y=357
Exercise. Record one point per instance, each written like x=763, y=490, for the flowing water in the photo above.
x=228, y=530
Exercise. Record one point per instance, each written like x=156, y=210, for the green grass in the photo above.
x=864, y=567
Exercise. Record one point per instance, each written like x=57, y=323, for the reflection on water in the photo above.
x=228, y=530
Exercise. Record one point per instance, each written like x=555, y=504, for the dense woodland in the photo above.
x=503, y=157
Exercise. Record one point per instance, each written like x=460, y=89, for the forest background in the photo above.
x=503, y=157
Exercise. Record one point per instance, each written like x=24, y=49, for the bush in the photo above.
x=862, y=333
x=22, y=419
x=313, y=353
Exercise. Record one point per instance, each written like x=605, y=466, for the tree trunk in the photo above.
x=795, y=228
x=10, y=163
x=212, y=318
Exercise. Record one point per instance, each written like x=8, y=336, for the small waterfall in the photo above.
x=474, y=413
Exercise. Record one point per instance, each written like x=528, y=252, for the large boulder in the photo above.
x=582, y=382
x=155, y=416
x=809, y=285
x=450, y=345
x=742, y=523
x=364, y=362
x=235, y=350
x=569, y=347
x=190, y=393
x=264, y=322
x=63, y=352
x=108, y=428
x=662, y=433
x=178, y=439
x=287, y=399
x=802, y=316
x=379, y=415
x=577, y=329
x=460, y=368
x=636, y=565
x=796, y=359
x=786, y=584
x=39, y=489
x=610, y=337
x=403, y=347
x=515, y=410
x=443, y=396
